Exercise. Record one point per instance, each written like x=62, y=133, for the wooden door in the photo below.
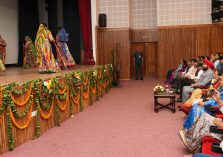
x=151, y=58
x=141, y=47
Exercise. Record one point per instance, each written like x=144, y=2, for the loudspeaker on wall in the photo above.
x=102, y=20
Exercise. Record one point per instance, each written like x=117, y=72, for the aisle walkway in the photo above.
x=121, y=124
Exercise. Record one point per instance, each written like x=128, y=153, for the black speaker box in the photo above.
x=102, y=20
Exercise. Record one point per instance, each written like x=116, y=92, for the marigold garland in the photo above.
x=63, y=107
x=99, y=77
x=86, y=94
x=63, y=90
x=77, y=99
x=46, y=116
x=104, y=85
x=93, y=90
x=25, y=101
x=22, y=114
x=85, y=82
x=26, y=123
x=80, y=85
x=99, y=88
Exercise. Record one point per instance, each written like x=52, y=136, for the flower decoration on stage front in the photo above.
x=95, y=73
x=48, y=83
x=159, y=88
x=77, y=75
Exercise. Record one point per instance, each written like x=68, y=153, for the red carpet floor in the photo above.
x=121, y=124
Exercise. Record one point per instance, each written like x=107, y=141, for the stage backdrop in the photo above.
x=71, y=22
x=9, y=28
x=28, y=23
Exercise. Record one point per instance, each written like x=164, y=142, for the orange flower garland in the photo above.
x=93, y=90
x=85, y=83
x=77, y=100
x=99, y=74
x=63, y=90
x=99, y=88
x=26, y=123
x=104, y=85
x=46, y=116
x=25, y=101
x=63, y=106
x=86, y=94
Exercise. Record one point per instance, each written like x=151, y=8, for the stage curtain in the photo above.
x=52, y=21
x=85, y=18
x=28, y=23
x=71, y=22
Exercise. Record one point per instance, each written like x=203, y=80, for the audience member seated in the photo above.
x=216, y=59
x=171, y=74
x=198, y=93
x=188, y=80
x=190, y=70
x=204, y=80
x=191, y=137
x=219, y=67
x=199, y=108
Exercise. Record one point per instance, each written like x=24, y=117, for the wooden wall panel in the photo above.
x=187, y=42
x=106, y=42
x=108, y=37
x=144, y=35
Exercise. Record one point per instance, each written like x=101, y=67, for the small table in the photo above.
x=171, y=105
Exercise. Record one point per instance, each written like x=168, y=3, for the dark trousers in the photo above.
x=138, y=67
x=169, y=73
x=181, y=82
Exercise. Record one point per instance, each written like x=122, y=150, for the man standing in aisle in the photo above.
x=138, y=63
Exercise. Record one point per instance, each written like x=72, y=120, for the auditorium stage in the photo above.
x=20, y=75
x=30, y=109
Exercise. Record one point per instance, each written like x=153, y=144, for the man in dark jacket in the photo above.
x=138, y=62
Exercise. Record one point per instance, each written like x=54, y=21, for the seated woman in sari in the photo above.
x=199, y=108
x=64, y=57
x=197, y=93
x=29, y=54
x=47, y=62
x=192, y=137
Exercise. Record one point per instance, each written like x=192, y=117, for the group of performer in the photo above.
x=40, y=55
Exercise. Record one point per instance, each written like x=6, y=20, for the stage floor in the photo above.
x=20, y=75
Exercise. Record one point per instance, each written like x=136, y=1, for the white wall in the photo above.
x=117, y=12
x=143, y=14
x=183, y=12
x=9, y=29
x=94, y=22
